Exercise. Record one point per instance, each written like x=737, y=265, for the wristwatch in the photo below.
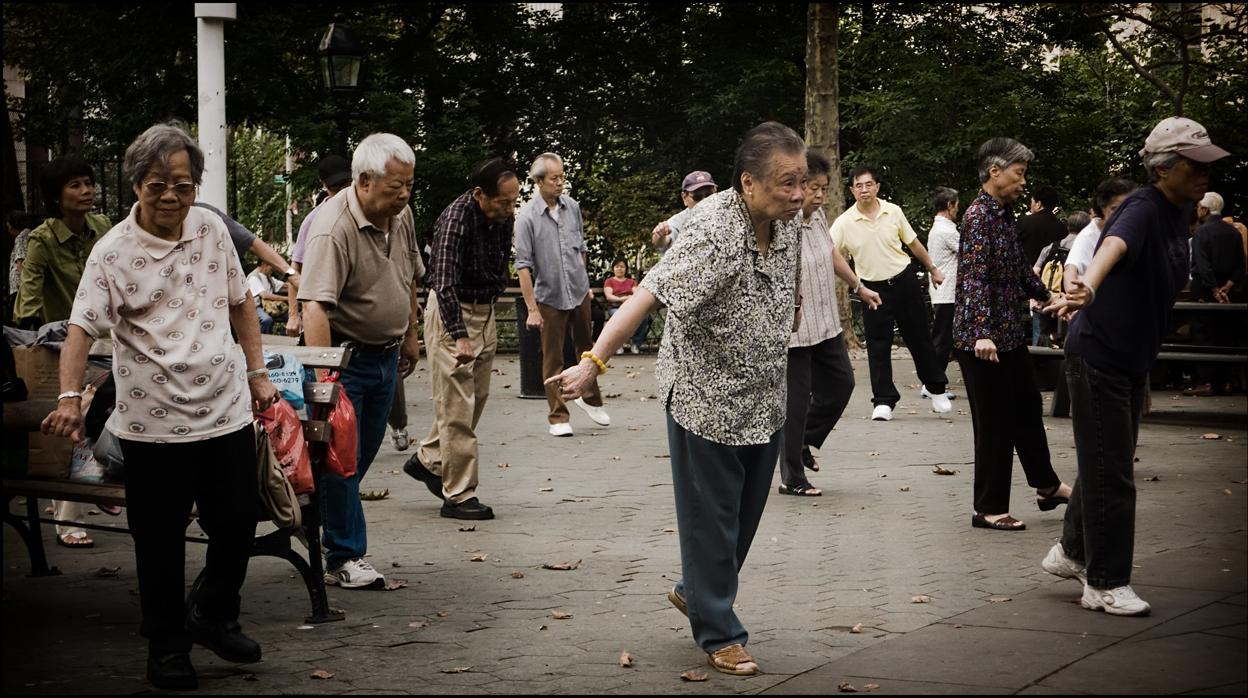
x=68, y=394
x=288, y=273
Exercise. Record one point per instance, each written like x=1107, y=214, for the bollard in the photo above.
x=530, y=344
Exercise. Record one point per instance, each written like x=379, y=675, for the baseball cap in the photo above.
x=696, y=180
x=334, y=170
x=1185, y=137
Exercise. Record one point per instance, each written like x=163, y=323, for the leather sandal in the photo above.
x=806, y=490
x=678, y=601
x=75, y=539
x=734, y=660
x=1009, y=523
x=809, y=461
x=1050, y=501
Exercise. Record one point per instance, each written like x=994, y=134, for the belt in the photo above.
x=362, y=348
x=890, y=282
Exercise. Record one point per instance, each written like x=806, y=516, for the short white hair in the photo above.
x=1213, y=201
x=376, y=151
x=538, y=170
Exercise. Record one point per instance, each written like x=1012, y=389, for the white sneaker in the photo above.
x=634, y=348
x=948, y=393
x=1119, y=601
x=882, y=413
x=941, y=404
x=598, y=414
x=1058, y=564
x=619, y=351
x=401, y=440
x=355, y=574
x=561, y=429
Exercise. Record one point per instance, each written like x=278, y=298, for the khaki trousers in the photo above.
x=554, y=330
x=459, y=396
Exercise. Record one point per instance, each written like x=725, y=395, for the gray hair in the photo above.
x=538, y=169
x=1159, y=161
x=1213, y=201
x=942, y=197
x=156, y=145
x=1077, y=221
x=1001, y=152
x=376, y=151
x=759, y=145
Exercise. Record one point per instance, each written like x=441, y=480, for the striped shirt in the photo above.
x=821, y=320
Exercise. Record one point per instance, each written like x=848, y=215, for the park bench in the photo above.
x=319, y=397
x=1171, y=352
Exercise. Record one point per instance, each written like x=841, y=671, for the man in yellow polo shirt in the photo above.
x=872, y=232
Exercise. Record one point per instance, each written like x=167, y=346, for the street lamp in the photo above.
x=341, y=58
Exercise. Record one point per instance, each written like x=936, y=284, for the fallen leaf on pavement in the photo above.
x=546, y=489
x=694, y=675
x=943, y=471
x=873, y=453
x=669, y=530
x=631, y=374
x=871, y=686
x=442, y=614
x=106, y=572
x=611, y=396
x=250, y=677
x=479, y=557
x=562, y=565
x=1226, y=491
x=418, y=624
x=560, y=615
x=456, y=670
x=504, y=465
x=321, y=674
x=1155, y=478
x=665, y=455
x=1240, y=482
x=1211, y=436
x=844, y=687
x=392, y=584
x=922, y=598
x=999, y=599
x=903, y=489
x=857, y=629
x=615, y=458
x=541, y=628
x=517, y=575
x=626, y=659
x=374, y=495
x=467, y=529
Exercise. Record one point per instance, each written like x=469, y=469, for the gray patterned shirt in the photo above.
x=721, y=366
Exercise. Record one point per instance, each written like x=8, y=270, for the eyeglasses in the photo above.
x=556, y=178
x=863, y=186
x=182, y=189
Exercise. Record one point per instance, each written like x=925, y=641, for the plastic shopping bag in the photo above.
x=287, y=374
x=286, y=437
x=344, y=434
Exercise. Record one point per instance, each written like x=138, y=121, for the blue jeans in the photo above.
x=369, y=380
x=266, y=320
x=639, y=337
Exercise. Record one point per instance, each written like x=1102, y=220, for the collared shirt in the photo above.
x=180, y=376
x=260, y=284
x=469, y=260
x=721, y=365
x=875, y=245
x=242, y=238
x=553, y=252
x=361, y=274
x=993, y=279
x=55, y=257
x=17, y=255
x=301, y=239
x=942, y=244
x=821, y=320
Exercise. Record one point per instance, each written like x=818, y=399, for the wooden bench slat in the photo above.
x=316, y=431
x=320, y=393
x=68, y=490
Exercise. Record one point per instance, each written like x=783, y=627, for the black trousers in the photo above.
x=902, y=304
x=942, y=333
x=1006, y=414
x=162, y=481
x=1099, y=528
x=820, y=381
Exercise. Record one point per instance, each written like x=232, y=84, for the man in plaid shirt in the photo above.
x=467, y=272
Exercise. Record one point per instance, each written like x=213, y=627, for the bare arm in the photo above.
x=294, y=323
x=846, y=274
x=534, y=322
x=66, y=420
x=315, y=325
x=925, y=259
x=409, y=353
x=270, y=255
x=1083, y=291
x=617, y=331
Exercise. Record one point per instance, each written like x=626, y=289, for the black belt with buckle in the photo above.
x=362, y=348
x=890, y=282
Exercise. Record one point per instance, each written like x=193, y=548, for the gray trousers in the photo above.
x=720, y=494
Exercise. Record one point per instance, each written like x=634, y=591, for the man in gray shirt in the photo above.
x=551, y=261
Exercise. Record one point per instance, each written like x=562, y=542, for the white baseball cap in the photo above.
x=1185, y=137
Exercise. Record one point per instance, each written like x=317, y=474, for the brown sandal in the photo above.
x=1009, y=523
x=734, y=660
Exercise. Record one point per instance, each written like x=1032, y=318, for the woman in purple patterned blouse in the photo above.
x=991, y=345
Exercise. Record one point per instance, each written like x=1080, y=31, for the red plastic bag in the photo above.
x=344, y=434
x=286, y=434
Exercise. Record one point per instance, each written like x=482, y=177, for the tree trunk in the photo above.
x=823, y=121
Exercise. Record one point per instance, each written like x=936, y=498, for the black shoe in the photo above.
x=418, y=471
x=809, y=461
x=224, y=638
x=468, y=509
x=172, y=672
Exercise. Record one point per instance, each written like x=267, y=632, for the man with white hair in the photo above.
x=362, y=257
x=551, y=263
x=1217, y=259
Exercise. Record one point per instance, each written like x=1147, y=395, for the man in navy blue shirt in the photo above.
x=1124, y=301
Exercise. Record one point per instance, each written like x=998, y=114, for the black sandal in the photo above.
x=1050, y=501
x=1009, y=523
x=809, y=461
x=806, y=490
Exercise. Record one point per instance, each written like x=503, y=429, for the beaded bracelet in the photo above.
x=602, y=367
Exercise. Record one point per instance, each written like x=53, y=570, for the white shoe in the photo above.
x=948, y=393
x=1058, y=564
x=401, y=440
x=355, y=574
x=1119, y=601
x=598, y=414
x=882, y=413
x=561, y=429
x=941, y=404
x=634, y=348
x=619, y=351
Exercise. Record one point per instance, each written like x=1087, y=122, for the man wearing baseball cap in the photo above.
x=696, y=186
x=1124, y=300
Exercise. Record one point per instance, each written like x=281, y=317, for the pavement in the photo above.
x=828, y=593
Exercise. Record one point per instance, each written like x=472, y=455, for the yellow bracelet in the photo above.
x=602, y=368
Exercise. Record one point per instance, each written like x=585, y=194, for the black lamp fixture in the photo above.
x=341, y=57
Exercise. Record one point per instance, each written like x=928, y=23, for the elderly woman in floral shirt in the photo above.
x=991, y=346
x=729, y=285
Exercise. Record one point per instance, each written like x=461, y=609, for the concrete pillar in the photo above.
x=210, y=21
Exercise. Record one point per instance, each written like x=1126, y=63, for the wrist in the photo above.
x=69, y=395
x=257, y=373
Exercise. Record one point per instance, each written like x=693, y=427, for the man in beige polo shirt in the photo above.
x=360, y=274
x=872, y=232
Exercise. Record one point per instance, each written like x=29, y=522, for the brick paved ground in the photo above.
x=887, y=530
